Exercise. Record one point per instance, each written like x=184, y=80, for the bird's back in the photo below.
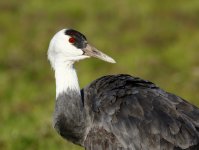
x=134, y=114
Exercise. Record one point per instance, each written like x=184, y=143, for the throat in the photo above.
x=66, y=78
x=70, y=115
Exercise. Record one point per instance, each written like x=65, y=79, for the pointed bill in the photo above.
x=93, y=52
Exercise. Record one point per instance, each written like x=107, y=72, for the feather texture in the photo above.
x=129, y=113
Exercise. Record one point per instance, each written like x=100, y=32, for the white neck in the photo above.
x=66, y=78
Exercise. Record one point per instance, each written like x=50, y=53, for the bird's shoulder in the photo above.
x=138, y=114
x=115, y=89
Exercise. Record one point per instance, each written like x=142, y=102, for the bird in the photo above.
x=116, y=112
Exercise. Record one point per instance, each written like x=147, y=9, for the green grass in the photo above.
x=155, y=40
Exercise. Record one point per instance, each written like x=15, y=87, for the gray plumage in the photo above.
x=121, y=112
x=116, y=112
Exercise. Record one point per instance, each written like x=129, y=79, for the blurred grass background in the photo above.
x=155, y=40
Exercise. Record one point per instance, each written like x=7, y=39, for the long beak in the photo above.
x=93, y=52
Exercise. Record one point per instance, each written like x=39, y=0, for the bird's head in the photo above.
x=69, y=45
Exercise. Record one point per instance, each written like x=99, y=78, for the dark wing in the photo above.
x=131, y=113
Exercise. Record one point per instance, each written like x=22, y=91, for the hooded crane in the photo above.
x=116, y=112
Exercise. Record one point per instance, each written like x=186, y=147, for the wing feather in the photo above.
x=131, y=113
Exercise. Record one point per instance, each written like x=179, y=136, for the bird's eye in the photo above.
x=71, y=40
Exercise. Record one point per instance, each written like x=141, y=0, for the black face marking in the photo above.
x=80, y=39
